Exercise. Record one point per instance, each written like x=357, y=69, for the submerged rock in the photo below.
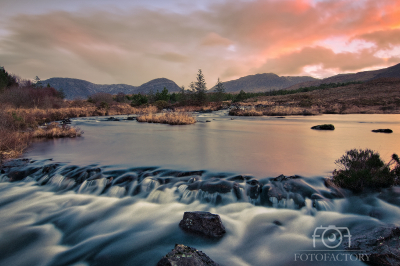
x=204, y=224
x=387, y=130
x=182, y=255
x=112, y=119
x=381, y=244
x=324, y=127
x=65, y=121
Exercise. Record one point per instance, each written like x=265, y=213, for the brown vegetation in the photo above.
x=55, y=130
x=380, y=96
x=245, y=112
x=172, y=118
x=212, y=106
x=19, y=125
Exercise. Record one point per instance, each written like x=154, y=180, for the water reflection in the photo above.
x=262, y=146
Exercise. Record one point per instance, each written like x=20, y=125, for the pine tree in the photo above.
x=200, y=88
x=220, y=90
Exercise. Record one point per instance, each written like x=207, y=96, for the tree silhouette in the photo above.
x=200, y=88
x=220, y=90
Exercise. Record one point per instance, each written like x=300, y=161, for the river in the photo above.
x=116, y=195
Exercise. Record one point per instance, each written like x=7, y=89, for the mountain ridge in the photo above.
x=389, y=72
x=262, y=82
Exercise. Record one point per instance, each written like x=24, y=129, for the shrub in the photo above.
x=103, y=105
x=364, y=169
x=160, y=104
x=139, y=99
x=100, y=97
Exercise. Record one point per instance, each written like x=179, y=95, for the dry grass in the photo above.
x=245, y=112
x=55, y=130
x=34, y=117
x=381, y=96
x=274, y=111
x=213, y=106
x=174, y=118
x=12, y=143
x=289, y=110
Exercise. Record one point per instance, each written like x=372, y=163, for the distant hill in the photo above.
x=390, y=72
x=77, y=88
x=262, y=82
x=158, y=84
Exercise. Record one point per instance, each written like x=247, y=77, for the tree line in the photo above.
x=22, y=93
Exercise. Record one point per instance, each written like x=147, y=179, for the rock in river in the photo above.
x=386, y=130
x=184, y=256
x=380, y=244
x=204, y=224
x=324, y=127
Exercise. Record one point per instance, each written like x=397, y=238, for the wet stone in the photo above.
x=381, y=244
x=183, y=255
x=387, y=130
x=204, y=224
x=324, y=127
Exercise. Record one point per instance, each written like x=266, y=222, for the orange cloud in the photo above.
x=383, y=39
x=134, y=46
x=294, y=63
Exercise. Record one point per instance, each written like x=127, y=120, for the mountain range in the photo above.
x=76, y=88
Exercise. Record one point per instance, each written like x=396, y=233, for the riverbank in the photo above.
x=19, y=126
x=380, y=96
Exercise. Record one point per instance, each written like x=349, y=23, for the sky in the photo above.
x=135, y=41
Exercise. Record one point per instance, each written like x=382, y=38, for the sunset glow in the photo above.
x=132, y=43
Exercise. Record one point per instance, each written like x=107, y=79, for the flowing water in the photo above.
x=116, y=195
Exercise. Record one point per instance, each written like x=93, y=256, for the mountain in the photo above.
x=262, y=82
x=77, y=88
x=158, y=84
x=390, y=72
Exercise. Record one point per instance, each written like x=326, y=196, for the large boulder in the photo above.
x=204, y=224
x=186, y=256
x=381, y=244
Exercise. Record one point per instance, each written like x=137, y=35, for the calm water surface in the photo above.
x=262, y=147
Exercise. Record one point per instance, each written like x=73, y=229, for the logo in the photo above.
x=331, y=236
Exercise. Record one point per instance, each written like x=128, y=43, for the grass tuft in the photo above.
x=55, y=130
x=171, y=118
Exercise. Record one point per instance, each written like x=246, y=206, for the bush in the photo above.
x=160, y=104
x=364, y=169
x=139, y=99
x=100, y=99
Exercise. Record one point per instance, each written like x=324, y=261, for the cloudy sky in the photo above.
x=134, y=41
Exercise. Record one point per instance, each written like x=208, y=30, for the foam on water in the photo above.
x=91, y=225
